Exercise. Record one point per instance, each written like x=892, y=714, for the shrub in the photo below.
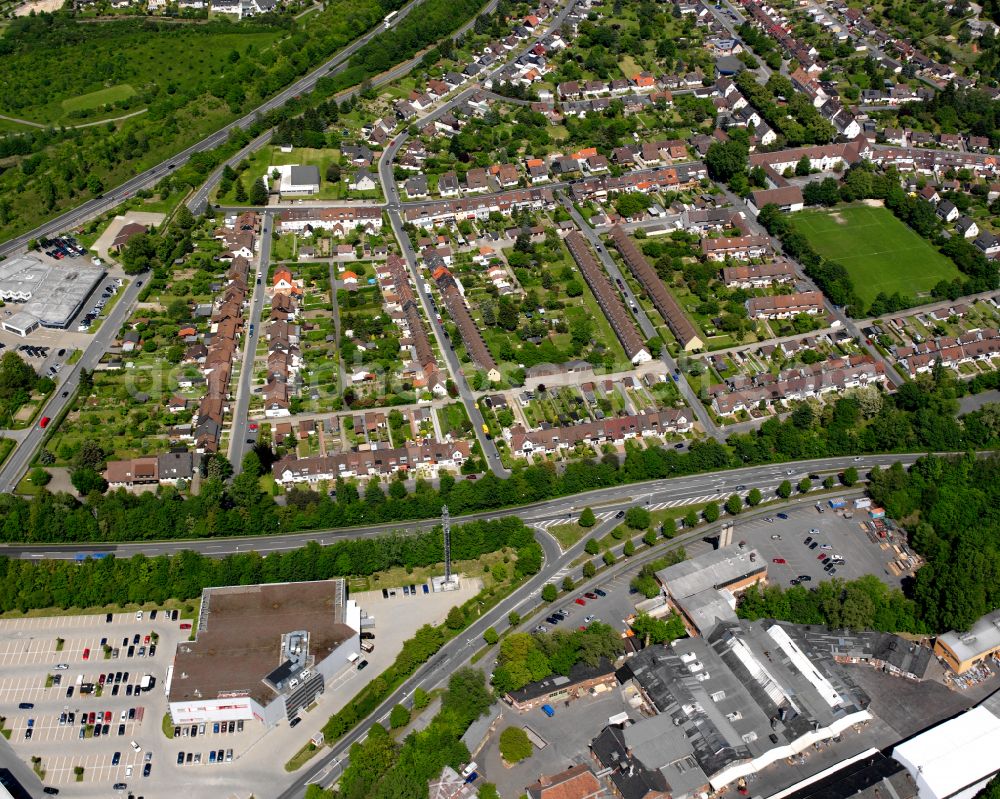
x=515, y=745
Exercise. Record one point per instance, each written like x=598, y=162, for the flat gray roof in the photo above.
x=52, y=293
x=715, y=569
x=304, y=175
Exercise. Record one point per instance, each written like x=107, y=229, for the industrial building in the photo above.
x=955, y=759
x=963, y=651
x=721, y=708
x=703, y=590
x=293, y=179
x=52, y=294
x=263, y=651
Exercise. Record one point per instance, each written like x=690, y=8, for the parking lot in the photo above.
x=784, y=539
x=71, y=702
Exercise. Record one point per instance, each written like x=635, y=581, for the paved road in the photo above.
x=113, y=197
x=672, y=492
x=20, y=458
x=238, y=433
x=327, y=769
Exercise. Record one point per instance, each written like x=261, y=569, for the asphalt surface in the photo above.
x=20, y=458
x=710, y=486
x=113, y=197
x=239, y=431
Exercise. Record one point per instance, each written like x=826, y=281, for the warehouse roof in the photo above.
x=953, y=755
x=51, y=293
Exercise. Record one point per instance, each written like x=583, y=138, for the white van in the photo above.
x=353, y=657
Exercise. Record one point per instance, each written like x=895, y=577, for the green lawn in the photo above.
x=94, y=99
x=881, y=253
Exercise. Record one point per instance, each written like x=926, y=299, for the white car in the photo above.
x=128, y=771
x=814, y=531
x=589, y=619
x=826, y=546
x=136, y=747
x=60, y=666
x=138, y=615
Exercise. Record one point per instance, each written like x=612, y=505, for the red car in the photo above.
x=185, y=626
x=581, y=601
x=86, y=654
x=146, y=640
x=253, y=425
x=779, y=560
x=107, y=716
x=44, y=421
x=91, y=718
x=590, y=595
x=101, y=679
x=821, y=556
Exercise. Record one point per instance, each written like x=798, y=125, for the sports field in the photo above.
x=879, y=252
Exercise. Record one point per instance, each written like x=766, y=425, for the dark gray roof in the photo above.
x=579, y=673
x=304, y=175
x=630, y=777
x=869, y=778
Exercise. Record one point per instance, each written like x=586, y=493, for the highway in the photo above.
x=19, y=460
x=672, y=492
x=113, y=197
x=239, y=431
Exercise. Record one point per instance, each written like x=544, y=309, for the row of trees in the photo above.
x=28, y=584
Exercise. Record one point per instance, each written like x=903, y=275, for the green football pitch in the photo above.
x=880, y=253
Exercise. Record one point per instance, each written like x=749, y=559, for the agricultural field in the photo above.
x=880, y=253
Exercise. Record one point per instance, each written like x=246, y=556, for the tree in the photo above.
x=490, y=636
x=734, y=505
x=513, y=618
x=39, y=477
x=421, y=698
x=587, y=518
x=138, y=253
x=805, y=485
x=515, y=745
x=609, y=558
x=568, y=584
x=455, y=619
x=785, y=489
x=638, y=518
x=241, y=192
x=829, y=482
x=592, y=547
x=849, y=477
x=649, y=538
x=803, y=167
x=549, y=592
x=691, y=519
x=726, y=159
x=629, y=549
x=85, y=480
x=658, y=631
x=589, y=569
x=258, y=192
x=754, y=498
x=399, y=716
x=711, y=512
